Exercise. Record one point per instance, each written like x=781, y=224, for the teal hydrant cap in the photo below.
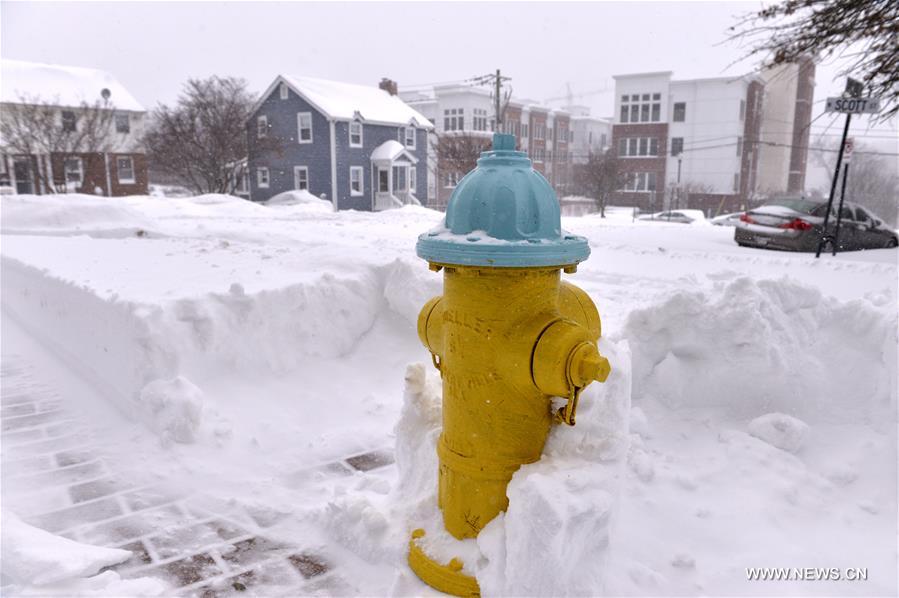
x=503, y=214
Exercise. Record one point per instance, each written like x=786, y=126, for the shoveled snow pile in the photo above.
x=71, y=214
x=751, y=347
x=780, y=430
x=43, y=564
x=299, y=198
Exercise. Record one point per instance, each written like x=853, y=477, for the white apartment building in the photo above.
x=700, y=142
x=590, y=134
x=544, y=133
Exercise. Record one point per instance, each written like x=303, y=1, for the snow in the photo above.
x=342, y=101
x=299, y=197
x=62, y=85
x=750, y=419
x=389, y=151
x=34, y=556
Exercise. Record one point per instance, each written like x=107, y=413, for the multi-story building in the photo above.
x=470, y=113
x=70, y=129
x=698, y=143
x=360, y=147
x=590, y=134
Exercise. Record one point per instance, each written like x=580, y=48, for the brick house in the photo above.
x=121, y=169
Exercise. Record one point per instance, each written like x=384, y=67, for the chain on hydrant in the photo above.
x=507, y=336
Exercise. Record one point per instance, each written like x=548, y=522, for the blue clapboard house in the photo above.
x=359, y=147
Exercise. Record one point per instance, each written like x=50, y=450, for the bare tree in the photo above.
x=459, y=152
x=873, y=180
x=202, y=140
x=600, y=177
x=51, y=134
x=863, y=31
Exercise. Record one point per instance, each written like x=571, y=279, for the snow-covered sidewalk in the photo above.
x=244, y=354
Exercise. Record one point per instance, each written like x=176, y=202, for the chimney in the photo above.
x=388, y=85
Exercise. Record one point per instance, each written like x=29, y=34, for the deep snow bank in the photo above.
x=71, y=214
x=753, y=347
x=127, y=349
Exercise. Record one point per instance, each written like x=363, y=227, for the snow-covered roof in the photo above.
x=389, y=151
x=62, y=85
x=344, y=101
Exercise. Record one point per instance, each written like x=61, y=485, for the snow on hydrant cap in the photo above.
x=503, y=214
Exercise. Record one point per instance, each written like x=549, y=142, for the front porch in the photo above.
x=394, y=176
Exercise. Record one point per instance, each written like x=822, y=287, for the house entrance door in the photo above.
x=22, y=174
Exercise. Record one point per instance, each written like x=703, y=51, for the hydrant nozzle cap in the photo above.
x=503, y=214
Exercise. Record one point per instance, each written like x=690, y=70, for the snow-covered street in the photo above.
x=231, y=377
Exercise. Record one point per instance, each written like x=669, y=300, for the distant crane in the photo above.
x=569, y=96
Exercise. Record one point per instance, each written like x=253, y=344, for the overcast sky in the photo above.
x=153, y=47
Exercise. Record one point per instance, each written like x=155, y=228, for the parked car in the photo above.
x=727, y=219
x=797, y=225
x=681, y=216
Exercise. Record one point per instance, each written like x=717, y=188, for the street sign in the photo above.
x=853, y=105
x=847, y=149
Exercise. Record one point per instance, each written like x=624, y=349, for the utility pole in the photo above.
x=495, y=80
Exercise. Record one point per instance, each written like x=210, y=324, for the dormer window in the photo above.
x=410, y=137
x=283, y=91
x=355, y=134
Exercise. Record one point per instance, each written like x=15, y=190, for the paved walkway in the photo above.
x=54, y=476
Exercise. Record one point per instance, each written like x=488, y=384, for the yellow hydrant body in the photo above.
x=507, y=336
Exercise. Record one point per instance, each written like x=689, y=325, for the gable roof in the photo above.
x=391, y=150
x=342, y=101
x=67, y=86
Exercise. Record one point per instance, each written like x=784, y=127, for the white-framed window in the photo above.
x=680, y=112
x=122, y=122
x=355, y=133
x=413, y=178
x=453, y=119
x=74, y=170
x=479, y=119
x=640, y=181
x=638, y=147
x=69, y=121
x=410, y=137
x=641, y=108
x=304, y=127
x=124, y=169
x=451, y=179
x=677, y=145
x=261, y=126
x=301, y=178
x=262, y=177
x=356, y=182
x=282, y=90
x=524, y=130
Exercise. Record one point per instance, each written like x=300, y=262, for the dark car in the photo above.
x=796, y=225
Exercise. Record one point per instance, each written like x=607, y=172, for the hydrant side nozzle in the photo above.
x=427, y=325
x=594, y=367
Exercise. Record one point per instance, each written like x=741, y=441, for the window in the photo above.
x=304, y=126
x=261, y=127
x=602, y=140
x=539, y=131
x=283, y=91
x=479, y=120
x=74, y=170
x=356, y=185
x=453, y=119
x=632, y=146
x=410, y=137
x=355, y=134
x=383, y=180
x=242, y=183
x=125, y=169
x=739, y=146
x=641, y=108
x=399, y=178
x=622, y=147
x=680, y=112
x=640, y=181
x=413, y=179
x=677, y=145
x=69, y=121
x=742, y=109
x=301, y=178
x=122, y=123
x=262, y=177
x=451, y=179
x=524, y=130
x=644, y=146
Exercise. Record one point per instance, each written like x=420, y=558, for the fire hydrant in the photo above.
x=507, y=336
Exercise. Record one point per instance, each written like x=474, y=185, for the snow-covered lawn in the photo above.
x=750, y=420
